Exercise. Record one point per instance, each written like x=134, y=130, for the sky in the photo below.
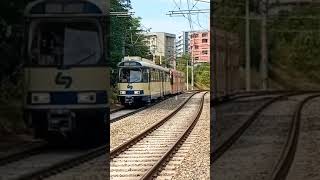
x=153, y=14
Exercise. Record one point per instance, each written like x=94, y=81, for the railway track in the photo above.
x=58, y=161
x=223, y=147
x=30, y=149
x=39, y=148
x=273, y=159
x=121, y=113
x=247, y=94
x=285, y=161
x=143, y=156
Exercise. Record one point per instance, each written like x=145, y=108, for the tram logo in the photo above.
x=63, y=80
x=130, y=86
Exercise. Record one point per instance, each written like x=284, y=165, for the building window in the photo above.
x=205, y=52
x=195, y=35
x=204, y=40
x=205, y=35
x=196, y=47
x=196, y=58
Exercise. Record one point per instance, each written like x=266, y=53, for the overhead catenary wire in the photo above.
x=188, y=15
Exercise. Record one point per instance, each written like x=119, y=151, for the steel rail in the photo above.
x=75, y=161
x=234, y=96
x=284, y=163
x=138, y=110
x=219, y=151
x=64, y=165
x=23, y=154
x=155, y=168
x=114, y=152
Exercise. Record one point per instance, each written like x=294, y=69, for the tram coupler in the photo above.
x=61, y=121
x=129, y=100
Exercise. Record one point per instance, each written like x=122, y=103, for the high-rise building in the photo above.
x=182, y=43
x=200, y=46
x=162, y=45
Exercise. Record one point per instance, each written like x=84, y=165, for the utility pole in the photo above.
x=188, y=74
x=248, y=82
x=264, y=44
x=192, y=70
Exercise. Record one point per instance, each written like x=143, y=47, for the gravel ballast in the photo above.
x=255, y=153
x=120, y=131
x=126, y=128
x=196, y=164
x=306, y=162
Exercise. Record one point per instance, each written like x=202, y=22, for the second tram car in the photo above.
x=227, y=65
x=142, y=81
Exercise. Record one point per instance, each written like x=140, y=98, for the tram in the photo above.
x=66, y=70
x=142, y=81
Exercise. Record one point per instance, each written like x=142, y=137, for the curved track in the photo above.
x=220, y=150
x=285, y=148
x=58, y=161
x=246, y=94
x=285, y=161
x=145, y=154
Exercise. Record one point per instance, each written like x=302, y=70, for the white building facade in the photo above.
x=162, y=45
x=182, y=43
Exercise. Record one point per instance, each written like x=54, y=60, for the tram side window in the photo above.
x=152, y=75
x=155, y=76
x=145, y=76
x=158, y=75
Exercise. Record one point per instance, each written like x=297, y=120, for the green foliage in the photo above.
x=11, y=31
x=298, y=50
x=126, y=35
x=202, y=74
x=182, y=65
x=201, y=71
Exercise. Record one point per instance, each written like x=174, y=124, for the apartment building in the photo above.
x=200, y=46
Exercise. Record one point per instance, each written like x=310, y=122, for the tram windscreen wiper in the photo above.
x=139, y=80
x=86, y=58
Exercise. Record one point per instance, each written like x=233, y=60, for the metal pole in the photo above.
x=248, y=83
x=192, y=70
x=187, y=74
x=264, y=50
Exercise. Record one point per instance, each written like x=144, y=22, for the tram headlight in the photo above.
x=136, y=92
x=122, y=92
x=40, y=98
x=87, y=98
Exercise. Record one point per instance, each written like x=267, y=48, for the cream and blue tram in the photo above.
x=142, y=81
x=66, y=70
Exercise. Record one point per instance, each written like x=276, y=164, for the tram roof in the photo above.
x=141, y=63
x=70, y=7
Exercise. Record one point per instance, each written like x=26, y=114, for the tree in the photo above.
x=127, y=38
x=11, y=31
x=182, y=65
x=295, y=41
x=202, y=72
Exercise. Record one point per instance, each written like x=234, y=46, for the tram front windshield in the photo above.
x=133, y=75
x=65, y=43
